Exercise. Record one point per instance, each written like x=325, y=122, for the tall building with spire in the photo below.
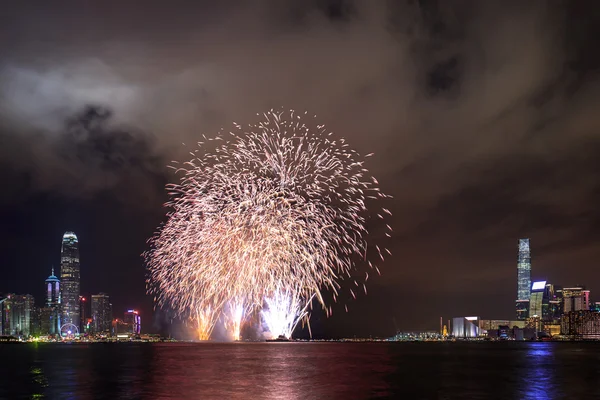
x=523, y=279
x=69, y=283
x=50, y=315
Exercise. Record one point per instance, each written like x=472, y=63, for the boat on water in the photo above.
x=279, y=338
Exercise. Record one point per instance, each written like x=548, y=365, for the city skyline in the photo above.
x=51, y=316
x=539, y=301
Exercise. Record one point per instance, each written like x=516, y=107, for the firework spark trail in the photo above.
x=283, y=311
x=233, y=315
x=277, y=209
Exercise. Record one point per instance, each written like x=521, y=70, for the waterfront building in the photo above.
x=50, y=315
x=48, y=321
x=535, y=323
x=495, y=324
x=120, y=329
x=523, y=277
x=538, y=289
x=70, y=284
x=18, y=310
x=101, y=313
x=133, y=321
x=465, y=327
x=595, y=306
x=35, y=329
x=551, y=329
x=583, y=324
x=575, y=299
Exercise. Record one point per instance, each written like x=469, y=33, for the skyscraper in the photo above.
x=52, y=311
x=576, y=299
x=523, y=278
x=133, y=321
x=101, y=313
x=523, y=270
x=538, y=289
x=18, y=310
x=70, y=282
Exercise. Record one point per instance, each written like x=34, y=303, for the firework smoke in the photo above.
x=273, y=216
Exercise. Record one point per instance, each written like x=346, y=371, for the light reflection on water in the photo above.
x=506, y=370
x=539, y=379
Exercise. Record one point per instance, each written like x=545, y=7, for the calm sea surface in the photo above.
x=501, y=370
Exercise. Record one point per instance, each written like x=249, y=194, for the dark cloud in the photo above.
x=483, y=117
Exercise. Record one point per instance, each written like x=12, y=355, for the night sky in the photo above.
x=483, y=117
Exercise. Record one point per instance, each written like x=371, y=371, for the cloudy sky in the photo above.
x=483, y=117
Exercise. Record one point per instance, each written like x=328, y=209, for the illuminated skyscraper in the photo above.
x=101, y=313
x=18, y=310
x=133, y=321
x=523, y=270
x=50, y=316
x=537, y=299
x=576, y=299
x=523, y=279
x=70, y=283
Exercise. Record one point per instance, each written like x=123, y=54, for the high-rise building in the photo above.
x=546, y=307
x=133, y=321
x=576, y=299
x=523, y=270
x=584, y=324
x=36, y=321
x=18, y=311
x=523, y=279
x=70, y=283
x=537, y=299
x=52, y=309
x=101, y=313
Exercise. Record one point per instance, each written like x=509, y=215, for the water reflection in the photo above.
x=268, y=371
x=539, y=381
x=508, y=370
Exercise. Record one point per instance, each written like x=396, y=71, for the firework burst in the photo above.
x=273, y=216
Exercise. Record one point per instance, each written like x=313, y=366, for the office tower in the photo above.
x=70, y=283
x=133, y=321
x=523, y=270
x=552, y=304
x=36, y=321
x=576, y=299
x=523, y=279
x=582, y=324
x=101, y=313
x=52, y=309
x=537, y=298
x=18, y=312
